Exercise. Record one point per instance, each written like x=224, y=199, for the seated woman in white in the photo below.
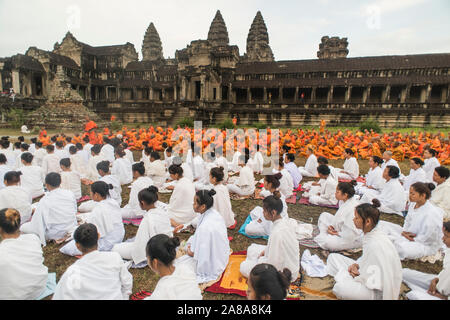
x=388, y=161
x=310, y=168
x=176, y=282
x=78, y=161
x=267, y=283
x=32, y=176
x=289, y=165
x=245, y=185
x=155, y=222
x=377, y=274
x=180, y=209
x=208, y=250
x=55, y=214
x=222, y=202
x=221, y=161
x=374, y=178
x=282, y=250
x=429, y=286
x=234, y=166
x=326, y=195
x=13, y=196
x=392, y=197
x=156, y=170
x=203, y=182
x=94, y=160
x=417, y=174
x=23, y=275
x=4, y=168
x=99, y=275
x=351, y=166
x=106, y=216
x=440, y=196
x=121, y=167
x=421, y=234
x=115, y=194
x=338, y=232
x=259, y=226
x=286, y=181
x=133, y=210
x=70, y=180
x=431, y=163
x=187, y=173
x=315, y=186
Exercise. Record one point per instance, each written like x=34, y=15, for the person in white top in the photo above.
x=388, y=161
x=222, y=201
x=23, y=275
x=87, y=147
x=176, y=282
x=83, y=154
x=39, y=154
x=60, y=151
x=103, y=169
x=133, y=209
x=32, y=176
x=203, y=180
x=107, y=151
x=286, y=181
x=310, y=168
x=421, y=234
x=32, y=148
x=245, y=185
x=267, y=283
x=121, y=167
x=68, y=144
x=180, y=209
x=392, y=197
x=50, y=163
x=23, y=148
x=128, y=154
x=97, y=275
x=429, y=286
x=259, y=226
x=351, y=166
x=221, y=161
x=282, y=250
x=13, y=196
x=4, y=168
x=440, y=196
x=208, y=250
x=417, y=174
x=338, y=232
x=55, y=214
x=156, y=170
x=94, y=160
x=431, y=163
x=155, y=222
x=70, y=180
x=106, y=216
x=377, y=275
x=326, y=194
x=374, y=178
x=78, y=163
x=9, y=154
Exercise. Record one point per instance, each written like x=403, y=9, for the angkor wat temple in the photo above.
x=210, y=80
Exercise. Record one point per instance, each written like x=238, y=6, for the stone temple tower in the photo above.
x=258, y=49
x=218, y=33
x=152, y=46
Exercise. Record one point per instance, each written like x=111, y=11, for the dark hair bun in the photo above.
x=173, y=243
x=431, y=186
x=278, y=176
x=110, y=186
x=153, y=189
x=285, y=278
x=354, y=183
x=277, y=194
x=212, y=192
x=376, y=203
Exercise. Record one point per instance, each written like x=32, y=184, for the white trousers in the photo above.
x=243, y=192
x=406, y=249
x=346, y=287
x=318, y=200
x=252, y=260
x=124, y=249
x=258, y=229
x=305, y=173
x=333, y=243
x=419, y=283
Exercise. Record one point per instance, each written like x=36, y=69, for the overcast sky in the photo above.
x=373, y=27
